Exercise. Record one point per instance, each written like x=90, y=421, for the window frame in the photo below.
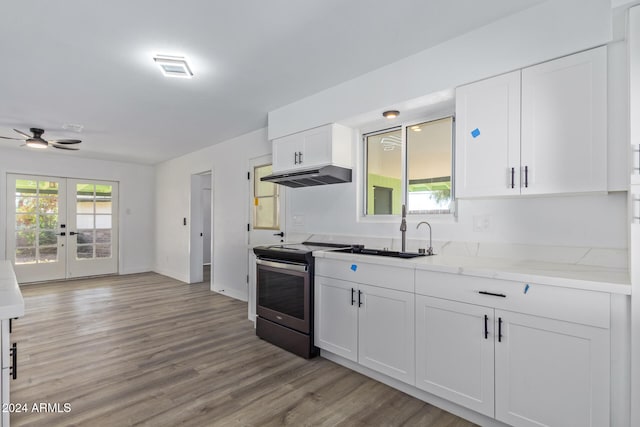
x=449, y=216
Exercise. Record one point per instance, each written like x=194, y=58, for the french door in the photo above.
x=61, y=227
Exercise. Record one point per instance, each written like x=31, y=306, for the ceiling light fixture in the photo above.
x=391, y=114
x=36, y=143
x=173, y=66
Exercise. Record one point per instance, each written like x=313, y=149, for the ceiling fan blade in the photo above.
x=22, y=133
x=17, y=139
x=63, y=147
x=65, y=141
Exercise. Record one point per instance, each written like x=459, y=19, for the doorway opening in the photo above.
x=201, y=227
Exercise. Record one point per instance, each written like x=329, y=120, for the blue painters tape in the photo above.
x=526, y=288
x=475, y=133
x=354, y=267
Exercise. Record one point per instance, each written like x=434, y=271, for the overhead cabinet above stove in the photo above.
x=540, y=130
x=316, y=156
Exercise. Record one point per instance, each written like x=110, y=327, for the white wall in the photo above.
x=543, y=32
x=549, y=30
x=137, y=184
x=228, y=162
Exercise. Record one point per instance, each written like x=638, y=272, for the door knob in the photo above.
x=281, y=234
x=73, y=233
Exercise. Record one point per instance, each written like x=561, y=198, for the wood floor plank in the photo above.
x=148, y=350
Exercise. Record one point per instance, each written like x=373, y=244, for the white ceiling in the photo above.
x=89, y=62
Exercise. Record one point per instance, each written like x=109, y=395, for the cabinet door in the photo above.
x=564, y=124
x=285, y=152
x=550, y=372
x=488, y=137
x=336, y=317
x=386, y=332
x=454, y=356
x=316, y=147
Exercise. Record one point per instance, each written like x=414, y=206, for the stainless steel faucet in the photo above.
x=430, y=250
x=403, y=228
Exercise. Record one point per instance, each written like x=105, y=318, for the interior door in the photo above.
x=92, y=227
x=36, y=212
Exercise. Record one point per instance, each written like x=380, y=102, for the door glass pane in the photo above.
x=103, y=221
x=84, y=236
x=36, y=219
x=84, y=252
x=48, y=254
x=266, y=203
x=94, y=220
x=48, y=238
x=103, y=236
x=84, y=221
x=103, y=251
x=26, y=255
x=384, y=173
x=25, y=238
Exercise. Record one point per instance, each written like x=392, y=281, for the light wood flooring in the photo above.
x=145, y=349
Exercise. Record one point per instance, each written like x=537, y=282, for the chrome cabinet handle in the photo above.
x=300, y=157
x=295, y=158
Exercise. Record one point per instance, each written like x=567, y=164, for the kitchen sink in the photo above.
x=381, y=252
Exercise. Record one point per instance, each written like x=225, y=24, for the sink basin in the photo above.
x=380, y=252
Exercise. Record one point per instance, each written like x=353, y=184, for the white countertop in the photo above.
x=11, y=302
x=594, y=278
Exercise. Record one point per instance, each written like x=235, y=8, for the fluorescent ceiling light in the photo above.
x=173, y=66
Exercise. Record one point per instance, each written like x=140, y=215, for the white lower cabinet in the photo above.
x=550, y=372
x=371, y=325
x=336, y=317
x=454, y=353
x=521, y=369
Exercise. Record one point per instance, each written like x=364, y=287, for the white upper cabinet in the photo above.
x=542, y=130
x=564, y=124
x=488, y=137
x=321, y=146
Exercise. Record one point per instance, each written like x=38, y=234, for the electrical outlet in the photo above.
x=481, y=223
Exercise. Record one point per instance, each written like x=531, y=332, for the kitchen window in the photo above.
x=411, y=165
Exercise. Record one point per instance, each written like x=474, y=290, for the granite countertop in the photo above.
x=587, y=277
x=11, y=302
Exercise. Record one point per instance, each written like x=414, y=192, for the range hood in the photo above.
x=309, y=177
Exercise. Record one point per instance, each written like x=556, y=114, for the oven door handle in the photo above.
x=285, y=266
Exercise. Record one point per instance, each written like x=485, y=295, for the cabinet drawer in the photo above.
x=572, y=305
x=390, y=277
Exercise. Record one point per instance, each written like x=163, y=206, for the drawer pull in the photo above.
x=499, y=329
x=359, y=298
x=353, y=296
x=493, y=294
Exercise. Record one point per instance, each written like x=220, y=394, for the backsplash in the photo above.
x=596, y=257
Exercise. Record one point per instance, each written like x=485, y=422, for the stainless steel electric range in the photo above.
x=284, y=295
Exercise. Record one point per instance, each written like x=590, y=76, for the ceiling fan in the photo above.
x=36, y=141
